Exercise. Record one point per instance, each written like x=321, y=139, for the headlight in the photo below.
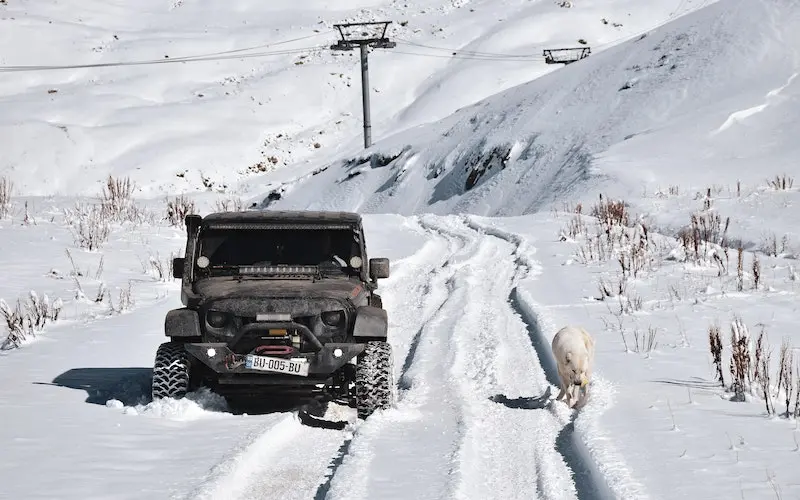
x=216, y=319
x=333, y=318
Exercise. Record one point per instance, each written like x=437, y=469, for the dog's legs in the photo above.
x=570, y=395
x=583, y=398
x=563, y=388
x=561, y=394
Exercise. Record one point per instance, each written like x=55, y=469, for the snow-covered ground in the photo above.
x=478, y=212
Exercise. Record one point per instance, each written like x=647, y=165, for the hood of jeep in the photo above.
x=228, y=288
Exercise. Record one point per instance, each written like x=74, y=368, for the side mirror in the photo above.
x=379, y=268
x=177, y=267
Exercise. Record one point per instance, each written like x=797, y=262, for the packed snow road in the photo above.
x=472, y=420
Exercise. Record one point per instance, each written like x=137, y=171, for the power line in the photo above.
x=468, y=52
x=473, y=58
x=213, y=56
x=240, y=53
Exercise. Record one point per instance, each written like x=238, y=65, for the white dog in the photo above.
x=573, y=349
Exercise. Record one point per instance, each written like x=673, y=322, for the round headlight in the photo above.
x=203, y=262
x=355, y=262
x=333, y=318
x=216, y=319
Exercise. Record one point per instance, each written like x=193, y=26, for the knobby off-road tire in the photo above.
x=374, y=379
x=171, y=371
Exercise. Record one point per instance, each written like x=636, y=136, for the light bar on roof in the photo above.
x=277, y=269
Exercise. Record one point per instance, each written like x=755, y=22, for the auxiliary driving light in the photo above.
x=211, y=352
x=216, y=319
x=333, y=318
x=337, y=353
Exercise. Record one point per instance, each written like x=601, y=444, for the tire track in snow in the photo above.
x=447, y=438
x=416, y=444
x=590, y=483
x=409, y=302
x=508, y=452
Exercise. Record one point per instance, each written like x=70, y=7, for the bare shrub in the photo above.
x=125, y=300
x=634, y=255
x=645, y=341
x=741, y=362
x=27, y=317
x=177, y=210
x=756, y=268
x=761, y=371
x=16, y=323
x=611, y=213
x=6, y=188
x=671, y=191
x=90, y=226
x=116, y=199
x=797, y=394
x=785, y=373
x=774, y=248
x=715, y=346
x=740, y=269
x=230, y=205
x=781, y=182
x=160, y=269
x=611, y=289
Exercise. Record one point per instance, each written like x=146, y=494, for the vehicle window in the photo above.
x=278, y=247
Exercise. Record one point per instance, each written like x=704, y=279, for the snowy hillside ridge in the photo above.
x=610, y=121
x=194, y=96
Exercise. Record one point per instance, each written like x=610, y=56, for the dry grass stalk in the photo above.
x=741, y=367
x=761, y=371
x=715, y=346
x=6, y=188
x=756, y=268
x=237, y=205
x=90, y=226
x=740, y=269
x=116, y=200
x=781, y=182
x=27, y=317
x=786, y=372
x=177, y=210
x=611, y=213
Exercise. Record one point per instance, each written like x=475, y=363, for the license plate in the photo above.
x=277, y=365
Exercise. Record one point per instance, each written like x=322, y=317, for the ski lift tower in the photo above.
x=364, y=36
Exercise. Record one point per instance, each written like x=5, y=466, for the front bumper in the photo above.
x=231, y=366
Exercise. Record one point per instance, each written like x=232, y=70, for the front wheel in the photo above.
x=171, y=371
x=374, y=379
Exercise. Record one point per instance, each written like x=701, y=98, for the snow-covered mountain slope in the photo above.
x=228, y=92
x=707, y=99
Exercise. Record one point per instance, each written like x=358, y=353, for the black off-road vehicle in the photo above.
x=278, y=303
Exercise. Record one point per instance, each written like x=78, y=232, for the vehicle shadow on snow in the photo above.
x=131, y=386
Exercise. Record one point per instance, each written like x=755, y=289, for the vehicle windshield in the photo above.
x=330, y=249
